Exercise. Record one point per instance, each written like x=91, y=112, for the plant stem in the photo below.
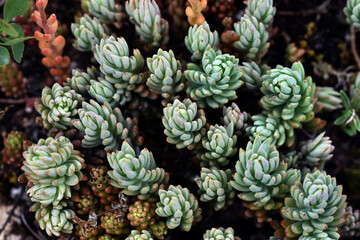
x=353, y=46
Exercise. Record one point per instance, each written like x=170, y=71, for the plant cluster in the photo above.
x=93, y=176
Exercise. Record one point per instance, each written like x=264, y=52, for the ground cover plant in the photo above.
x=164, y=119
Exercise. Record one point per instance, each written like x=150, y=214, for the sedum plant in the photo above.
x=262, y=10
x=88, y=32
x=220, y=234
x=58, y=106
x=200, y=39
x=104, y=125
x=141, y=214
x=215, y=82
x=252, y=74
x=13, y=148
x=262, y=179
x=105, y=10
x=276, y=129
x=179, y=206
x=317, y=151
x=352, y=12
x=53, y=167
x=145, y=14
x=288, y=94
x=136, y=235
x=137, y=176
x=214, y=184
x=116, y=64
x=351, y=226
x=183, y=123
x=80, y=81
x=238, y=118
x=166, y=75
x=327, y=99
x=315, y=209
x=253, y=37
x=103, y=91
x=55, y=220
x=219, y=145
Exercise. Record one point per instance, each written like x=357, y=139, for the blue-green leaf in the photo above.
x=15, y=8
x=4, y=56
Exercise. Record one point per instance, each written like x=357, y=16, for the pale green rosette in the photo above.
x=166, y=75
x=183, y=123
x=214, y=185
x=88, y=32
x=145, y=14
x=262, y=179
x=53, y=167
x=289, y=94
x=215, y=82
x=315, y=209
x=179, y=206
x=199, y=39
x=136, y=176
x=57, y=106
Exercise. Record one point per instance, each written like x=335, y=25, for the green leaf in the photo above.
x=15, y=8
x=345, y=100
x=15, y=41
x=18, y=49
x=6, y=28
x=4, y=56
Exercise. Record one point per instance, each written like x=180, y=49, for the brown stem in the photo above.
x=353, y=46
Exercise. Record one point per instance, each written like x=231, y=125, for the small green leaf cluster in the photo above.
x=13, y=34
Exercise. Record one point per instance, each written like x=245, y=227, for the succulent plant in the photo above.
x=106, y=10
x=86, y=204
x=351, y=226
x=145, y=14
x=183, y=123
x=104, y=125
x=166, y=77
x=113, y=224
x=219, y=144
x=262, y=10
x=179, y=206
x=216, y=81
x=239, y=119
x=11, y=81
x=88, y=32
x=80, y=81
x=349, y=119
x=352, y=12
x=141, y=214
x=220, y=234
x=158, y=229
x=214, y=184
x=53, y=167
x=317, y=151
x=261, y=177
x=58, y=105
x=116, y=64
x=13, y=148
x=200, y=39
x=135, y=175
x=327, y=99
x=288, y=94
x=316, y=208
x=252, y=74
x=104, y=91
x=55, y=220
x=136, y=235
x=253, y=37
x=93, y=234
x=100, y=184
x=276, y=129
